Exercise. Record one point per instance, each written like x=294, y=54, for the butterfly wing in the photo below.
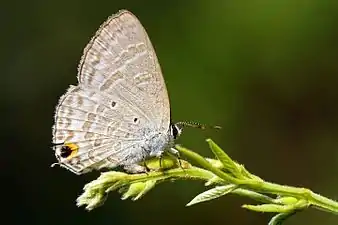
x=120, y=60
x=94, y=133
x=121, y=92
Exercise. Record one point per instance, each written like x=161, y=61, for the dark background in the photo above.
x=266, y=72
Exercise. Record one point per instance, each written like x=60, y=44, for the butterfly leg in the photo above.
x=177, y=154
x=174, y=152
x=145, y=166
x=160, y=158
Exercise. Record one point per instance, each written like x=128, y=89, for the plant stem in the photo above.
x=301, y=193
x=261, y=186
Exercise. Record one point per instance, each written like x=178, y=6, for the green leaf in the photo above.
x=91, y=198
x=280, y=218
x=213, y=180
x=270, y=208
x=212, y=194
x=227, y=162
x=138, y=189
x=254, y=195
x=148, y=186
x=287, y=200
x=215, y=163
x=164, y=163
x=133, y=190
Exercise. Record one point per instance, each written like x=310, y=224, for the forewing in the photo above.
x=120, y=61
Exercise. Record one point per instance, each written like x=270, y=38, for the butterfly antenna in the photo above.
x=197, y=125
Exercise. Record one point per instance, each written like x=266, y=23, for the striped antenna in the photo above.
x=197, y=125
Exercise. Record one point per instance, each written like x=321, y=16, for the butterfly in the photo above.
x=119, y=113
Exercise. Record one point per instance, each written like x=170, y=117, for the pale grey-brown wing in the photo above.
x=99, y=131
x=120, y=61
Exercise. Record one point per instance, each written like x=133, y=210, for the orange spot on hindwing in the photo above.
x=69, y=150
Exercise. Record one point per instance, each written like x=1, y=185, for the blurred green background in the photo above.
x=267, y=72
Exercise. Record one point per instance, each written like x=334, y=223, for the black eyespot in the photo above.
x=135, y=120
x=65, y=151
x=174, y=131
x=113, y=104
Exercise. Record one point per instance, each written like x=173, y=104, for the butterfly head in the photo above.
x=175, y=130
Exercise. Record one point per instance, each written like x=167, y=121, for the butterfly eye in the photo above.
x=176, y=131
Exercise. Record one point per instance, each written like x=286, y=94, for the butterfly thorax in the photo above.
x=159, y=142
